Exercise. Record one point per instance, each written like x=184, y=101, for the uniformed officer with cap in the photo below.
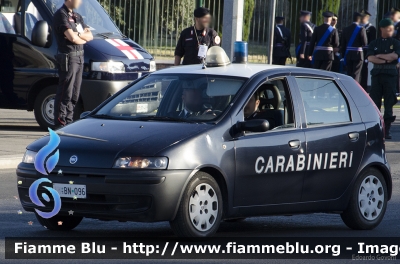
x=336, y=61
x=192, y=37
x=282, y=41
x=354, y=38
x=71, y=33
x=384, y=53
x=306, y=32
x=371, y=36
x=395, y=17
x=323, y=42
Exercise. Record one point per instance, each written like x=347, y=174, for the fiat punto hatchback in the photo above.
x=196, y=145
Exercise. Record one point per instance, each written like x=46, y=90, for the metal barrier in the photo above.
x=156, y=24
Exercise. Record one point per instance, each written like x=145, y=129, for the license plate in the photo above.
x=70, y=190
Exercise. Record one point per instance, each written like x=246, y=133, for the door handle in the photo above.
x=354, y=136
x=294, y=144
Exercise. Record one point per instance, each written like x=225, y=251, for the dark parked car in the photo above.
x=315, y=144
x=28, y=71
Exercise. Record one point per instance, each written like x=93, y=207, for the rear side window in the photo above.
x=323, y=101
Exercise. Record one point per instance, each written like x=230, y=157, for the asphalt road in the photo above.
x=15, y=135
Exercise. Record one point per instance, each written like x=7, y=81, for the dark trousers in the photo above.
x=323, y=65
x=279, y=60
x=68, y=90
x=384, y=85
x=354, y=68
x=364, y=76
x=336, y=64
x=305, y=63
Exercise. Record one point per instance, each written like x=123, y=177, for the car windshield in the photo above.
x=93, y=14
x=181, y=98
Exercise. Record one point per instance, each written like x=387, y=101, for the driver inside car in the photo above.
x=192, y=98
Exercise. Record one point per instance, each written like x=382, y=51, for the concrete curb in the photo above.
x=10, y=161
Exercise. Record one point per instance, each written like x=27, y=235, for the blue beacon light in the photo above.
x=240, y=53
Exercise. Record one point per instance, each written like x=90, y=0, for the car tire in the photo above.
x=67, y=222
x=368, y=203
x=201, y=208
x=44, y=107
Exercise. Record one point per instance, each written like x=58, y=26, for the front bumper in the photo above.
x=112, y=194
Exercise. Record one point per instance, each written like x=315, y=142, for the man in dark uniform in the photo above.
x=395, y=17
x=371, y=36
x=306, y=32
x=336, y=61
x=324, y=40
x=71, y=33
x=354, y=38
x=192, y=37
x=384, y=53
x=282, y=40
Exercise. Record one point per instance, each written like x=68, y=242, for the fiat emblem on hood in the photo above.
x=73, y=159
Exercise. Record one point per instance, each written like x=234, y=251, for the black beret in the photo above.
x=365, y=13
x=201, y=11
x=385, y=23
x=327, y=14
x=279, y=18
x=305, y=13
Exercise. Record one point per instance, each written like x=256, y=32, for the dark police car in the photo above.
x=28, y=74
x=176, y=146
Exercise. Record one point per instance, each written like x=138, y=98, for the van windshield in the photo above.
x=177, y=97
x=93, y=14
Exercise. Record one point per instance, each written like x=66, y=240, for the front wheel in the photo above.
x=368, y=203
x=200, y=210
x=59, y=222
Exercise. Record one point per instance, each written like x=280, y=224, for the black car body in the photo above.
x=312, y=160
x=28, y=70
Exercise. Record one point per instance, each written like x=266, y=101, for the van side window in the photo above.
x=32, y=16
x=272, y=102
x=323, y=102
x=9, y=8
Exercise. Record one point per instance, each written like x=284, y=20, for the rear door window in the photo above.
x=323, y=101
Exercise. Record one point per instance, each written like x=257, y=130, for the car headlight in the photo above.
x=29, y=156
x=152, y=66
x=109, y=66
x=157, y=163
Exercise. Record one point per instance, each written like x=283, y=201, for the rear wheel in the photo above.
x=59, y=222
x=201, y=208
x=44, y=107
x=368, y=203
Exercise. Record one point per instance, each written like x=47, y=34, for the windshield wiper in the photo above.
x=163, y=118
x=105, y=34
x=104, y=116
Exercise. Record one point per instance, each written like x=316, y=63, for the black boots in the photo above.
x=388, y=124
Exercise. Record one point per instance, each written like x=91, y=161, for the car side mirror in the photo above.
x=84, y=114
x=40, y=34
x=253, y=125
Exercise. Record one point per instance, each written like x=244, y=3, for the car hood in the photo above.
x=98, y=142
x=113, y=47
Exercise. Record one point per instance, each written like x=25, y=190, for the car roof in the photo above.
x=238, y=70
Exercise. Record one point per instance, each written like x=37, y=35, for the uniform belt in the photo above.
x=323, y=48
x=279, y=44
x=365, y=47
x=76, y=53
x=385, y=66
x=354, y=49
x=307, y=43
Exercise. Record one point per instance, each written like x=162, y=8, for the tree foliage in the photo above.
x=327, y=5
x=248, y=10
